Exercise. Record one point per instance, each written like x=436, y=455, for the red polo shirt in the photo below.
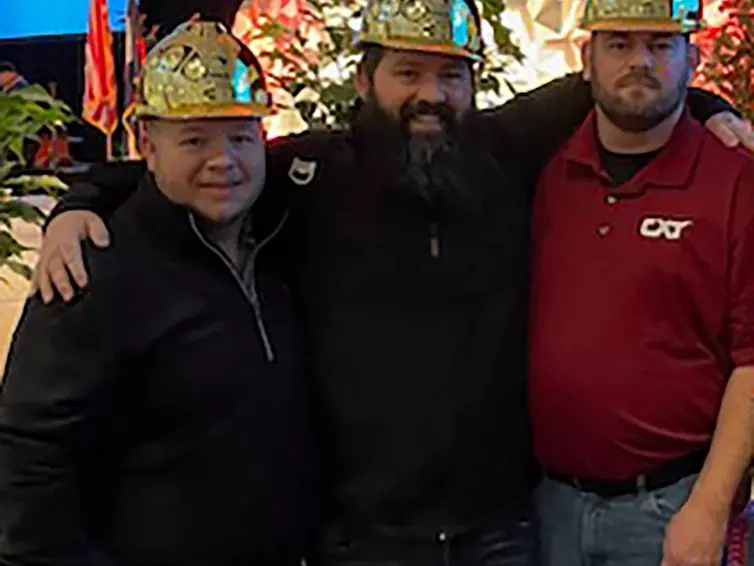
x=642, y=302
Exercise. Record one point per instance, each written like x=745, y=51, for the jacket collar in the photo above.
x=672, y=168
x=172, y=222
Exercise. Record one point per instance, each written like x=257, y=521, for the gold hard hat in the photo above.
x=448, y=27
x=200, y=70
x=673, y=16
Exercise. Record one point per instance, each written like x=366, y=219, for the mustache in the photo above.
x=413, y=110
x=641, y=77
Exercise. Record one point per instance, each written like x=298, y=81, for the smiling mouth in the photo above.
x=431, y=118
x=219, y=186
x=427, y=122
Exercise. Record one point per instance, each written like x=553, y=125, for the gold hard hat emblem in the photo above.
x=448, y=27
x=202, y=71
x=674, y=16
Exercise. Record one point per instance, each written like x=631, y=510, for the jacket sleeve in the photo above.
x=528, y=129
x=704, y=104
x=56, y=385
x=103, y=188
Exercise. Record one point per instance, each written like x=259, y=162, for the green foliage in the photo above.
x=320, y=78
x=24, y=115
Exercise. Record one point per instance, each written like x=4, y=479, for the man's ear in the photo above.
x=694, y=59
x=586, y=59
x=146, y=145
x=362, y=82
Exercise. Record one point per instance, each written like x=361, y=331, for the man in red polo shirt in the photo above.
x=642, y=309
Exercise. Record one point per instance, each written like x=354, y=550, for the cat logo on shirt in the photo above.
x=663, y=228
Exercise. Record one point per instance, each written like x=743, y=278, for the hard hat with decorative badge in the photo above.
x=201, y=70
x=447, y=27
x=671, y=16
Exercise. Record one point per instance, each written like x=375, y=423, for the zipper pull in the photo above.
x=434, y=240
x=256, y=305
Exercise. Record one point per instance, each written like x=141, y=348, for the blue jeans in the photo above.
x=504, y=545
x=583, y=529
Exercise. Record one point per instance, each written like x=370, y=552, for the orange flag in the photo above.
x=100, y=95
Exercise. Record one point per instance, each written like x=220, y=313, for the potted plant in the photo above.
x=25, y=114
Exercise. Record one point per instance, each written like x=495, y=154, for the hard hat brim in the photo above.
x=198, y=111
x=643, y=24
x=411, y=44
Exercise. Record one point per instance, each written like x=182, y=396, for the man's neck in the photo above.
x=226, y=236
x=616, y=140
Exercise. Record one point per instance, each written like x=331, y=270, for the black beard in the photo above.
x=638, y=118
x=430, y=169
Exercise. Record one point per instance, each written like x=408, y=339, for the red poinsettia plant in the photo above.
x=728, y=55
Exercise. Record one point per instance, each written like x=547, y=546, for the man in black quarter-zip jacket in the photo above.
x=408, y=241
x=161, y=419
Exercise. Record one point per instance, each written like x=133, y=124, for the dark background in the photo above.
x=60, y=59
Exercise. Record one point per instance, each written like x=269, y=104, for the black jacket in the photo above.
x=419, y=352
x=144, y=424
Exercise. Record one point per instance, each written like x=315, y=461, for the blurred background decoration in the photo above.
x=728, y=52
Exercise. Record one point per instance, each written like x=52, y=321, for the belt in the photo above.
x=668, y=474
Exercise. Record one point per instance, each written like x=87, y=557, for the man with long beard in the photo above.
x=641, y=349
x=408, y=249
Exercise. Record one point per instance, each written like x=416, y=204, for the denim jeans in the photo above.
x=583, y=529
x=511, y=544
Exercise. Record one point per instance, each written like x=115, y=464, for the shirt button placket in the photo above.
x=605, y=228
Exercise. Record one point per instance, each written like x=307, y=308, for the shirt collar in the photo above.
x=672, y=168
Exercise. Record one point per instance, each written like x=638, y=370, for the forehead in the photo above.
x=218, y=126
x=636, y=36
x=429, y=61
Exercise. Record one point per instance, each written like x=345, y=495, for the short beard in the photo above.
x=428, y=168
x=641, y=116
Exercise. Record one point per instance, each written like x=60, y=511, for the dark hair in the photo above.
x=371, y=56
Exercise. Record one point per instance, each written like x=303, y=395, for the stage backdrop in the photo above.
x=51, y=17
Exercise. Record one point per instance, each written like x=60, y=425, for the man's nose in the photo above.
x=431, y=91
x=641, y=56
x=222, y=157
